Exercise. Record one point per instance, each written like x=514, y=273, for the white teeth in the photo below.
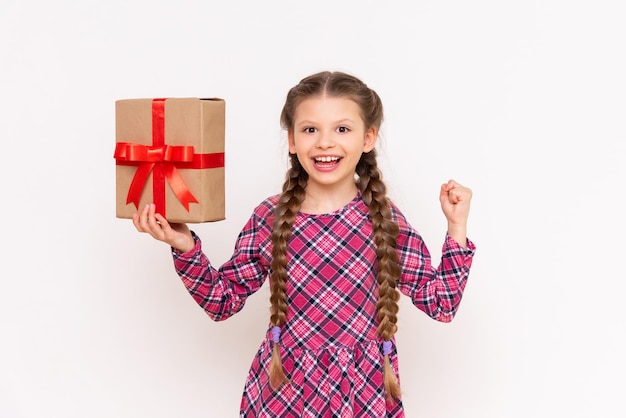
x=326, y=159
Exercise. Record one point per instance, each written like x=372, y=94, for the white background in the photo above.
x=523, y=101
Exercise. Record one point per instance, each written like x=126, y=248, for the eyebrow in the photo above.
x=338, y=122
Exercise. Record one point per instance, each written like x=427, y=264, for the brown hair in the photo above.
x=373, y=190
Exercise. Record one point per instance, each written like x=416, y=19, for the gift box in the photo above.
x=170, y=152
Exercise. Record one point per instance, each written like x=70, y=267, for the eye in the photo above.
x=309, y=130
x=343, y=129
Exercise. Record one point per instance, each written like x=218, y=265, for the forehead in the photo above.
x=324, y=108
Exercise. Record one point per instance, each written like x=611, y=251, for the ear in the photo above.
x=369, y=141
x=292, y=142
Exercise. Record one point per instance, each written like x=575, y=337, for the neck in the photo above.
x=327, y=200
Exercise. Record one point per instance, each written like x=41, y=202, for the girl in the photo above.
x=337, y=254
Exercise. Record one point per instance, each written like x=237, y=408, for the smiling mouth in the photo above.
x=326, y=161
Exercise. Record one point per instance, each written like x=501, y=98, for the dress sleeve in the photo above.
x=223, y=291
x=435, y=290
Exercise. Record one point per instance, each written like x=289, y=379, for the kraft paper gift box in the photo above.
x=170, y=152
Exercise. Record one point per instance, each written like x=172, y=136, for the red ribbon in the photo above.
x=162, y=160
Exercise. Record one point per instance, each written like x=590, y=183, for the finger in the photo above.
x=446, y=187
x=444, y=190
x=136, y=222
x=158, y=218
x=164, y=228
x=455, y=196
x=453, y=184
x=141, y=217
x=447, y=192
x=150, y=221
x=154, y=222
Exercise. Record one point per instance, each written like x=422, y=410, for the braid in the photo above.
x=385, y=232
x=284, y=216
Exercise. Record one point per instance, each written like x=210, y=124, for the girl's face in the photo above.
x=329, y=137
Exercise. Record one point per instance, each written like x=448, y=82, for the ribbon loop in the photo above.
x=126, y=151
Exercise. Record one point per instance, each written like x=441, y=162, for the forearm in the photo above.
x=452, y=275
x=214, y=293
x=438, y=291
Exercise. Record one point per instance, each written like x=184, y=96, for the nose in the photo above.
x=324, y=140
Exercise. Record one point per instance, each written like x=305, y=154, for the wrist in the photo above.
x=458, y=232
x=185, y=245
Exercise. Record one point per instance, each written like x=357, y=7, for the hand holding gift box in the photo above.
x=170, y=152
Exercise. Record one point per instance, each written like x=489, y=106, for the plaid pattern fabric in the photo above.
x=329, y=346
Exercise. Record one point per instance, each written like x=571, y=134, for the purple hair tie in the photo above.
x=275, y=334
x=386, y=347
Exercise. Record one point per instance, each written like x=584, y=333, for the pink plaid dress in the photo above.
x=329, y=346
